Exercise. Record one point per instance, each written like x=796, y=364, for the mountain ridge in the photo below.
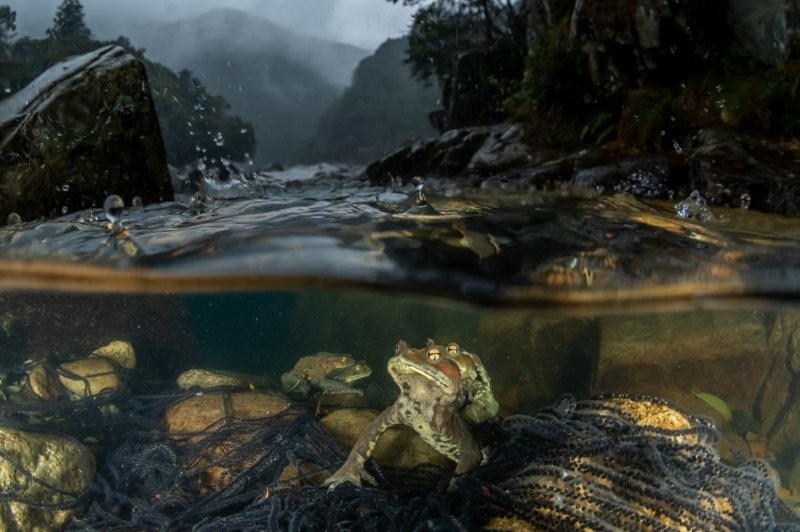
x=279, y=80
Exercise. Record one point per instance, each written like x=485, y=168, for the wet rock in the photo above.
x=120, y=351
x=503, y=149
x=399, y=446
x=83, y=128
x=193, y=418
x=63, y=470
x=89, y=377
x=203, y=379
x=448, y=154
x=738, y=171
x=672, y=355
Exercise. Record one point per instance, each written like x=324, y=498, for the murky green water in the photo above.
x=557, y=294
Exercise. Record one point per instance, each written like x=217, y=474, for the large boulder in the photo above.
x=83, y=129
x=44, y=477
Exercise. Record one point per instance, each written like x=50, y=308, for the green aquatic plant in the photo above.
x=717, y=404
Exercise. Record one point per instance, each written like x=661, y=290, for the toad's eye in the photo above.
x=434, y=354
x=452, y=349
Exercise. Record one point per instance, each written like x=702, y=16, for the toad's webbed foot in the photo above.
x=348, y=474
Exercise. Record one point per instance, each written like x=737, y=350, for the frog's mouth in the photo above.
x=397, y=367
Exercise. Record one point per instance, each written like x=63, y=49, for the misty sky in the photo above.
x=365, y=23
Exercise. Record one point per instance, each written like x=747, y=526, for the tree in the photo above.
x=7, y=27
x=68, y=22
x=475, y=49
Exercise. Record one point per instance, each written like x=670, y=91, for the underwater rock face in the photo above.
x=62, y=468
x=551, y=357
x=780, y=402
x=84, y=128
x=724, y=354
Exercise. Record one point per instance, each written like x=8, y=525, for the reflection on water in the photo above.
x=485, y=245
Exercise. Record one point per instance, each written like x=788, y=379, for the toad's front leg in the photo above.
x=353, y=468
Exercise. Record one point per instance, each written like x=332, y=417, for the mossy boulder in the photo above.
x=43, y=477
x=83, y=129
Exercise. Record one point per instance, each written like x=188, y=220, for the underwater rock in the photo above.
x=204, y=379
x=89, y=377
x=672, y=355
x=399, y=446
x=779, y=405
x=44, y=384
x=44, y=478
x=120, y=351
x=159, y=327
x=195, y=417
x=84, y=127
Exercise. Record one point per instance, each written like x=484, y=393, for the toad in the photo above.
x=325, y=372
x=431, y=396
x=480, y=404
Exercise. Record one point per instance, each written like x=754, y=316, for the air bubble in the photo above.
x=64, y=210
x=744, y=200
x=13, y=219
x=137, y=202
x=219, y=140
x=113, y=206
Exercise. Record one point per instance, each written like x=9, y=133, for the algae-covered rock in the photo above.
x=42, y=469
x=204, y=379
x=399, y=446
x=84, y=128
x=89, y=377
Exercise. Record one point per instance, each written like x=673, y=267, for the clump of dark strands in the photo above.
x=586, y=464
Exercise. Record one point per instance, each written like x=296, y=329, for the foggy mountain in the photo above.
x=280, y=81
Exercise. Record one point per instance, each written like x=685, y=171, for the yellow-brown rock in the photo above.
x=62, y=467
x=44, y=384
x=89, y=376
x=193, y=418
x=399, y=446
x=204, y=379
x=119, y=351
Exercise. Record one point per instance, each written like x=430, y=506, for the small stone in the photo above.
x=399, y=446
x=89, y=377
x=119, y=351
x=192, y=419
x=63, y=469
x=204, y=379
x=44, y=384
